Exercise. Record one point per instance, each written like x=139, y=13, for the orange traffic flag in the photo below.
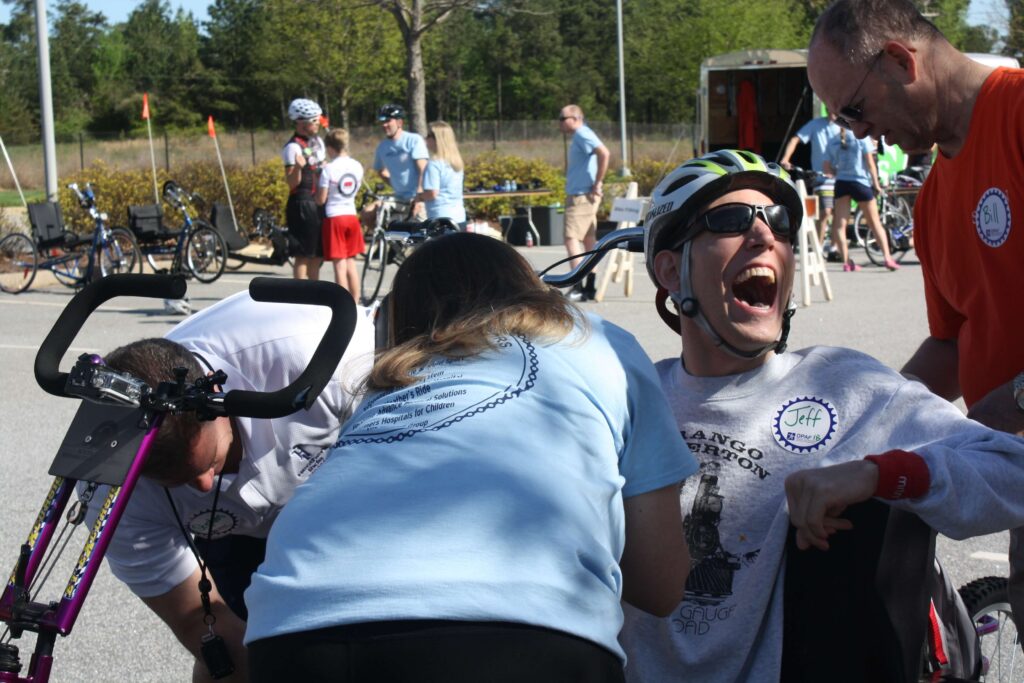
x=145, y=106
x=324, y=121
x=210, y=129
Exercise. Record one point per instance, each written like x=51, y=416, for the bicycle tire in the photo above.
x=69, y=270
x=119, y=253
x=233, y=264
x=205, y=253
x=893, y=218
x=19, y=262
x=987, y=601
x=373, y=269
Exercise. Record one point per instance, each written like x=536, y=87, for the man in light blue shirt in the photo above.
x=401, y=157
x=584, y=177
x=817, y=133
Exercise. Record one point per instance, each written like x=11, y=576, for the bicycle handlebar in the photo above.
x=632, y=239
x=301, y=393
x=81, y=307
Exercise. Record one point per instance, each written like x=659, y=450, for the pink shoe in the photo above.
x=892, y=265
x=850, y=267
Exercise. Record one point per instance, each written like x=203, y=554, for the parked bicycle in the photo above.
x=380, y=251
x=110, y=438
x=895, y=210
x=75, y=260
x=195, y=249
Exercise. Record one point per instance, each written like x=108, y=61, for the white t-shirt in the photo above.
x=811, y=408
x=342, y=178
x=273, y=343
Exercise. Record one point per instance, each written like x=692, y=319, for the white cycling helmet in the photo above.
x=304, y=109
x=678, y=198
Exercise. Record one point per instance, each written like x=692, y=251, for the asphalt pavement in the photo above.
x=118, y=639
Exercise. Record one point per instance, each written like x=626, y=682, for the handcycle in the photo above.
x=74, y=260
x=379, y=250
x=109, y=440
x=195, y=249
x=265, y=232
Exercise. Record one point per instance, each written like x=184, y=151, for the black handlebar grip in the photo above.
x=406, y=226
x=82, y=305
x=307, y=387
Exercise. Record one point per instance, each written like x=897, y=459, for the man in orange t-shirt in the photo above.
x=887, y=71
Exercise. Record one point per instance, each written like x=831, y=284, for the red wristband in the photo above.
x=901, y=474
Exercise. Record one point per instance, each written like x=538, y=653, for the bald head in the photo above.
x=857, y=29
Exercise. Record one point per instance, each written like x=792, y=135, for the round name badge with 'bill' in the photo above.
x=805, y=424
x=992, y=217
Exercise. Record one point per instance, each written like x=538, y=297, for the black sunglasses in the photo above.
x=566, y=118
x=737, y=218
x=853, y=113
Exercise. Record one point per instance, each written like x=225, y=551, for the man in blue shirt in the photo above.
x=584, y=176
x=401, y=157
x=817, y=132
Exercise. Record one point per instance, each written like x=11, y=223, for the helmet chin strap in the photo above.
x=689, y=306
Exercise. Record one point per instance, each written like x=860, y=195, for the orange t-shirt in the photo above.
x=969, y=235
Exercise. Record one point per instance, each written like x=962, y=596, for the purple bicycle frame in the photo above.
x=60, y=619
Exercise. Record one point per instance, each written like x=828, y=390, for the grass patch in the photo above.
x=12, y=198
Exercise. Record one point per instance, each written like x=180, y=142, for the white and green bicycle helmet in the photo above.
x=670, y=224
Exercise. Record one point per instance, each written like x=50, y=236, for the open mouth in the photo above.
x=755, y=287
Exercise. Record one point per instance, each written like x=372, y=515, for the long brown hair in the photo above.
x=454, y=295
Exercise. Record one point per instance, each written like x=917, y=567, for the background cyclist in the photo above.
x=721, y=245
x=469, y=524
x=817, y=133
x=401, y=157
x=229, y=477
x=303, y=154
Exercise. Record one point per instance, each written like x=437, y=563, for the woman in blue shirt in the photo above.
x=498, y=492
x=853, y=165
x=442, y=180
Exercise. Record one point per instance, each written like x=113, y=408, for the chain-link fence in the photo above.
x=527, y=139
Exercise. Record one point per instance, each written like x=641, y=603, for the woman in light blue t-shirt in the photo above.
x=511, y=475
x=442, y=180
x=851, y=162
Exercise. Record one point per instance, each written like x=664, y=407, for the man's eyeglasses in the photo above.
x=311, y=120
x=853, y=113
x=737, y=218
x=566, y=118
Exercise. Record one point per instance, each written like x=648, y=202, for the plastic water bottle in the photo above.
x=529, y=238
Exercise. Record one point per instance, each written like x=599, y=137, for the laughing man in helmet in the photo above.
x=719, y=244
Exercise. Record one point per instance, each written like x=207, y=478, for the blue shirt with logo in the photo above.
x=582, y=169
x=447, y=181
x=399, y=158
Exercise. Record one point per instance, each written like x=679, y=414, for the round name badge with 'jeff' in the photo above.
x=805, y=424
x=992, y=217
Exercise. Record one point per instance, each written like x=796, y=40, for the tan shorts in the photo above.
x=581, y=217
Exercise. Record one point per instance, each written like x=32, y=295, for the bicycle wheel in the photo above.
x=233, y=263
x=205, y=253
x=373, y=269
x=69, y=269
x=893, y=218
x=861, y=231
x=987, y=601
x=18, y=263
x=119, y=253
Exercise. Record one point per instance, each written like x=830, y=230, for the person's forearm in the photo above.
x=790, y=148
x=936, y=364
x=293, y=176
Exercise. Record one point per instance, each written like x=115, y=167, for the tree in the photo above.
x=415, y=18
x=1014, y=45
x=76, y=36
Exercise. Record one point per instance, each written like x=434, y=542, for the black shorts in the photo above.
x=858, y=191
x=304, y=223
x=232, y=561
x=433, y=651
